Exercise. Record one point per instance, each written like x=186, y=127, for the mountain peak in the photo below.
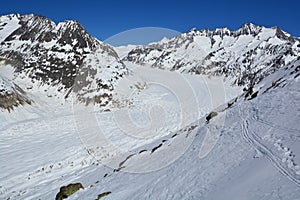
x=245, y=29
x=249, y=29
x=284, y=35
x=249, y=26
x=53, y=54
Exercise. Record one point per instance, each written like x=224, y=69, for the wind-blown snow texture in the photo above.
x=46, y=69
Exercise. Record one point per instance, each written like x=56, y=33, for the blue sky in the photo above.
x=104, y=19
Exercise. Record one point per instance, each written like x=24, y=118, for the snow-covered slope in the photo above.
x=217, y=120
x=256, y=155
x=11, y=95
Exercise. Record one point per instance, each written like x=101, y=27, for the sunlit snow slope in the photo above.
x=204, y=115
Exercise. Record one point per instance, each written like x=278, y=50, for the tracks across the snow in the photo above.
x=255, y=141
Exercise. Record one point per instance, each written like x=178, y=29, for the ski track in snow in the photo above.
x=254, y=141
x=276, y=126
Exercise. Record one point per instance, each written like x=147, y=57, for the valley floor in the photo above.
x=253, y=154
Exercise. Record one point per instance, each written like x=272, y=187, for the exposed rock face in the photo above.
x=68, y=190
x=58, y=55
x=104, y=194
x=12, y=96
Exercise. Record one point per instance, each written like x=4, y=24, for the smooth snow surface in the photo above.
x=255, y=156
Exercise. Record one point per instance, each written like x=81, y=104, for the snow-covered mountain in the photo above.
x=247, y=54
x=204, y=115
x=62, y=56
x=65, y=58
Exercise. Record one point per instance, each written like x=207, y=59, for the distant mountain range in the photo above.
x=62, y=55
